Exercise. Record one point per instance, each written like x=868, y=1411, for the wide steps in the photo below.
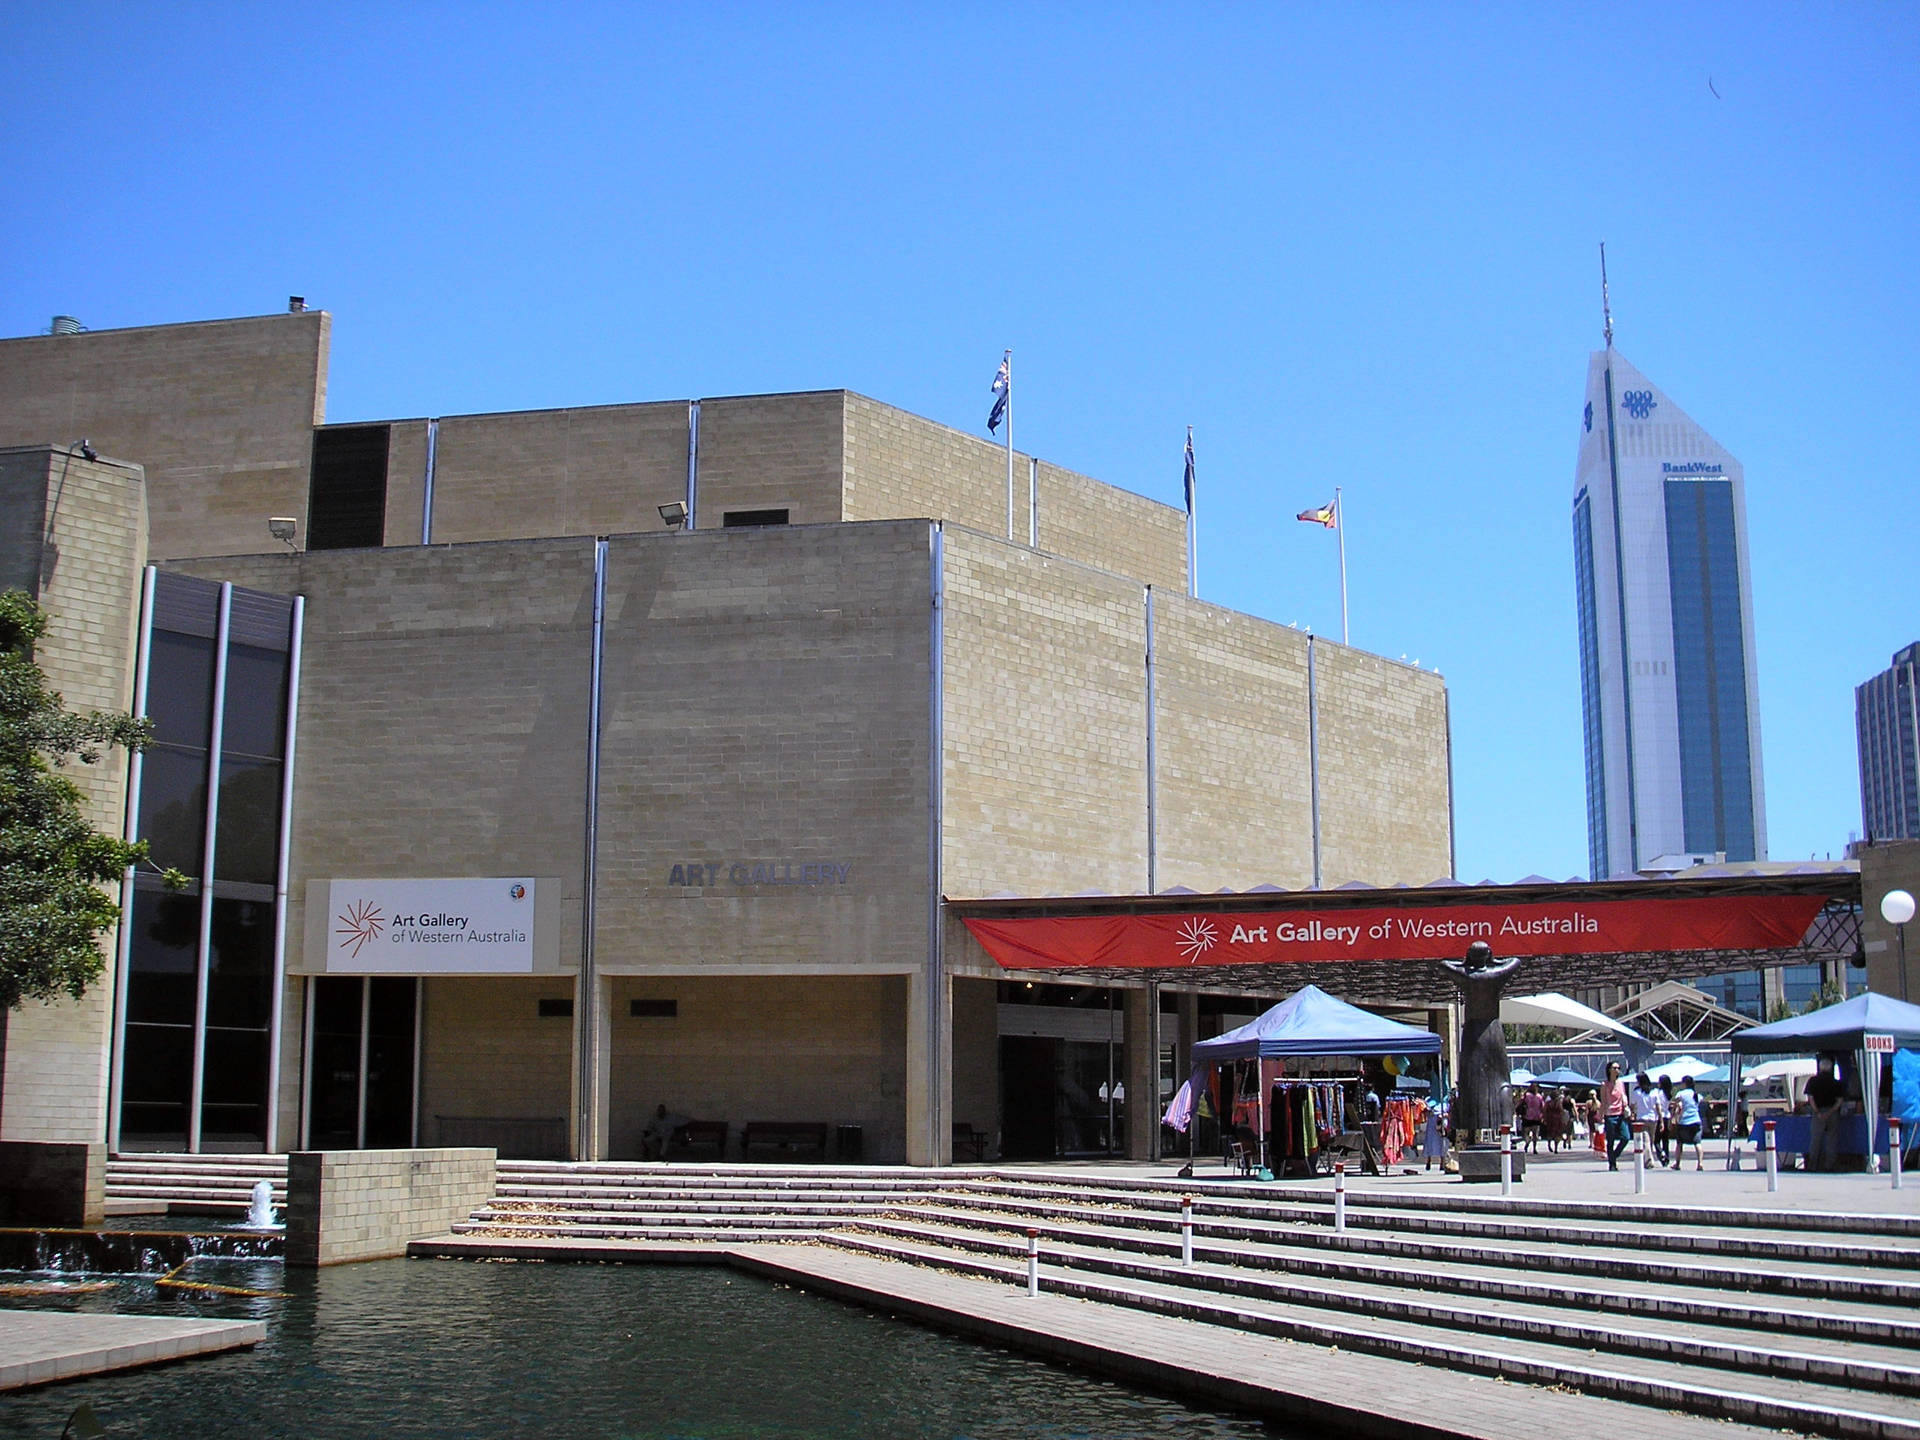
x=1806, y=1406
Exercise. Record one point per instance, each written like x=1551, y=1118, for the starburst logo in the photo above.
x=360, y=927
x=1197, y=937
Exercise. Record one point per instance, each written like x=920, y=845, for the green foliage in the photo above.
x=53, y=864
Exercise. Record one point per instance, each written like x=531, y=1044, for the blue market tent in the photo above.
x=1889, y=1023
x=1312, y=1022
x=1565, y=1075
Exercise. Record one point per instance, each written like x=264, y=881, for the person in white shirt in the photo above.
x=1647, y=1112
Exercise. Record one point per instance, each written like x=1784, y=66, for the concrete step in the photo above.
x=1805, y=1406
x=1837, y=1358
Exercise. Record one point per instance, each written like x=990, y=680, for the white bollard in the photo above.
x=1186, y=1230
x=1033, y=1262
x=1639, y=1160
x=1893, y=1148
x=1773, y=1159
x=1506, y=1160
x=1340, y=1198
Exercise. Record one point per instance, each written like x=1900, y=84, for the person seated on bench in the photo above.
x=659, y=1130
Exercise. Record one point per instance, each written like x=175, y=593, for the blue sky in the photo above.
x=1348, y=246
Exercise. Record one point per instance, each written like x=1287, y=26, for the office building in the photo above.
x=1886, y=718
x=1671, y=711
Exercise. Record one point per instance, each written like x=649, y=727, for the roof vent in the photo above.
x=65, y=325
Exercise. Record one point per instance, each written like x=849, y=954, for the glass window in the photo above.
x=249, y=840
x=161, y=979
x=390, y=1062
x=180, y=687
x=240, y=975
x=233, y=1101
x=157, y=1082
x=255, y=720
x=333, y=1068
x=173, y=806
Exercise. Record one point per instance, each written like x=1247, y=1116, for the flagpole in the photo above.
x=1193, y=526
x=1009, y=359
x=1340, y=529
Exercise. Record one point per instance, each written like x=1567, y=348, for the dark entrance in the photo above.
x=1028, y=1066
x=360, y=1063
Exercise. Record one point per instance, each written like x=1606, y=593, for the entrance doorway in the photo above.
x=363, y=1038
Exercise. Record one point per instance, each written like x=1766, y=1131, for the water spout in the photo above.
x=260, y=1213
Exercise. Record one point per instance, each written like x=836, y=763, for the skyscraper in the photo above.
x=1886, y=712
x=1670, y=706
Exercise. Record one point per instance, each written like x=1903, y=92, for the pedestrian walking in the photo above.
x=1648, y=1109
x=1686, y=1124
x=1533, y=1115
x=1614, y=1106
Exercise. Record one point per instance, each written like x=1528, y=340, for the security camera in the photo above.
x=283, y=528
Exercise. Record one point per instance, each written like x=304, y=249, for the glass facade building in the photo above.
x=1670, y=706
x=1886, y=713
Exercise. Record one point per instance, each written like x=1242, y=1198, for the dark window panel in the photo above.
x=249, y=841
x=180, y=688
x=157, y=1082
x=161, y=979
x=742, y=519
x=233, y=1100
x=336, y=1006
x=255, y=722
x=173, y=806
x=347, y=498
x=390, y=1007
x=240, y=976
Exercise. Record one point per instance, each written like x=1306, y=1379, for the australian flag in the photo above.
x=1002, y=387
x=1189, y=470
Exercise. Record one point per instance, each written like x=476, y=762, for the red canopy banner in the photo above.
x=1431, y=932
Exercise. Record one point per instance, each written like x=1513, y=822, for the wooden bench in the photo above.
x=788, y=1139
x=968, y=1141
x=698, y=1135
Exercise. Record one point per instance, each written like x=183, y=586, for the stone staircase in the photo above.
x=1801, y=1321
x=154, y=1183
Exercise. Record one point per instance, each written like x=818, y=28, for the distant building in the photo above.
x=1887, y=718
x=1669, y=698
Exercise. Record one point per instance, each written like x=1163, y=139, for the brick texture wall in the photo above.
x=1234, y=792
x=73, y=533
x=487, y=1052
x=220, y=413
x=1383, y=770
x=771, y=452
x=597, y=471
x=346, y=1205
x=1045, y=724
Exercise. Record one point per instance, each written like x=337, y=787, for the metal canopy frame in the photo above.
x=1834, y=935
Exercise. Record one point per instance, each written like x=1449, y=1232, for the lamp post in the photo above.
x=1896, y=908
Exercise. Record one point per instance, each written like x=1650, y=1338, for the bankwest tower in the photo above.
x=513, y=812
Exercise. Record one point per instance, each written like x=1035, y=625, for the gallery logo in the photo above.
x=1197, y=937
x=516, y=892
x=360, y=927
x=1638, y=403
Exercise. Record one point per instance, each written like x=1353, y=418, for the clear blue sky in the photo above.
x=1352, y=247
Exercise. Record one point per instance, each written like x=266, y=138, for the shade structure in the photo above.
x=1719, y=1075
x=1549, y=1008
x=1837, y=1027
x=1521, y=1076
x=1678, y=1070
x=1312, y=1022
x=1780, y=1069
x=1565, y=1075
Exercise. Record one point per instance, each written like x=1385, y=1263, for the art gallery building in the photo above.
x=511, y=812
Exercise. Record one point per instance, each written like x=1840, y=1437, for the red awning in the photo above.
x=1174, y=940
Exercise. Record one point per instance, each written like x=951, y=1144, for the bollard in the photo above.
x=1506, y=1160
x=1773, y=1159
x=1033, y=1262
x=1639, y=1160
x=1186, y=1230
x=1340, y=1198
x=1893, y=1148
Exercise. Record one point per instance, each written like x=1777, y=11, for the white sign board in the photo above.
x=430, y=927
x=1877, y=1044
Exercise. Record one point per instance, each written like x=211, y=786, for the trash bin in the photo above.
x=847, y=1142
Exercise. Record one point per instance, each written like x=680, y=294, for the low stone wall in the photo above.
x=347, y=1205
x=49, y=1182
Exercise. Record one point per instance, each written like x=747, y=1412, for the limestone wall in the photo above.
x=220, y=414
x=486, y=1052
x=72, y=534
x=345, y=1205
x=771, y=452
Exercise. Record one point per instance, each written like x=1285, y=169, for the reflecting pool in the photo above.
x=463, y=1349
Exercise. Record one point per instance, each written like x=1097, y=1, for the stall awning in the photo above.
x=1312, y=1022
x=1837, y=1027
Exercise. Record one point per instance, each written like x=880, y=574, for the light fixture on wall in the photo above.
x=283, y=529
x=674, y=512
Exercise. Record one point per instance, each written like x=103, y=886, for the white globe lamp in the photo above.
x=1896, y=908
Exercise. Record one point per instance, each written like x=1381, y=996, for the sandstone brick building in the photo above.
x=717, y=779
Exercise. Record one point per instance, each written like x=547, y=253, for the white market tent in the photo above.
x=1678, y=1070
x=1779, y=1070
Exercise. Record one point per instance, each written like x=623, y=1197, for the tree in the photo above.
x=53, y=863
